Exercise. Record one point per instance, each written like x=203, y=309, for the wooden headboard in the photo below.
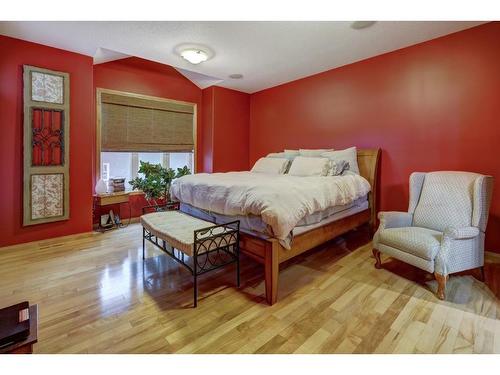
x=368, y=161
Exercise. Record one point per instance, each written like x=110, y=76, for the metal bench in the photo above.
x=198, y=245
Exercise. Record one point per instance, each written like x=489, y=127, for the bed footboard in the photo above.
x=271, y=254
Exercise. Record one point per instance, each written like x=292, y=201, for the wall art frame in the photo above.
x=46, y=128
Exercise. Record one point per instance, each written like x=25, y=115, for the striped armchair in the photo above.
x=443, y=230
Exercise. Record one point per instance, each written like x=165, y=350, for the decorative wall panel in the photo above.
x=48, y=88
x=46, y=145
x=47, y=192
x=47, y=137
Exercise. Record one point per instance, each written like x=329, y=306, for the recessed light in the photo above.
x=194, y=56
x=236, y=76
x=358, y=25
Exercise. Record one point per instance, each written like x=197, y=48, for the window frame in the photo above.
x=100, y=91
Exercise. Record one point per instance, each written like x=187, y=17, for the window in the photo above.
x=134, y=128
x=126, y=164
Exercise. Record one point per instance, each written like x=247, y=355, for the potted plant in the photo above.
x=156, y=182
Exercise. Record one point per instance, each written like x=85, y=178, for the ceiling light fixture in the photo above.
x=194, y=53
x=236, y=76
x=194, y=56
x=358, y=25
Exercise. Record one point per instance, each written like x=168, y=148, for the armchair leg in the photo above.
x=441, y=280
x=378, y=261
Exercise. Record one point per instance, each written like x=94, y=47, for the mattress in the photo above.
x=255, y=226
x=280, y=202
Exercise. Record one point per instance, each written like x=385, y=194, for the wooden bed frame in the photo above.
x=269, y=251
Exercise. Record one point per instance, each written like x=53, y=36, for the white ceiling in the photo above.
x=266, y=53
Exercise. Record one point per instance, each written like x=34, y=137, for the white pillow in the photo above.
x=350, y=155
x=282, y=155
x=290, y=154
x=304, y=166
x=271, y=165
x=313, y=153
x=275, y=155
x=287, y=154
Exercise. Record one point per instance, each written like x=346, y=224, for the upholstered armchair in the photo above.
x=443, y=230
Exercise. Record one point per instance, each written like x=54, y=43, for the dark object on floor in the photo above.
x=18, y=328
x=14, y=323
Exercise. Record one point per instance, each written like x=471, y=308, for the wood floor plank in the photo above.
x=96, y=295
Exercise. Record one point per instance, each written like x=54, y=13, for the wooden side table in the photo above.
x=25, y=346
x=108, y=199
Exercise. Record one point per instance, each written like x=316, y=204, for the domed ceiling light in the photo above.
x=194, y=56
x=194, y=53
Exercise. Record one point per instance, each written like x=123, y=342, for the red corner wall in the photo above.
x=14, y=53
x=432, y=106
x=226, y=116
x=208, y=129
x=146, y=77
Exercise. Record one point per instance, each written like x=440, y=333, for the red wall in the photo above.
x=208, y=129
x=432, y=106
x=232, y=116
x=14, y=53
x=226, y=120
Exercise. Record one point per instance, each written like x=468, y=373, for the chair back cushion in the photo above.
x=446, y=200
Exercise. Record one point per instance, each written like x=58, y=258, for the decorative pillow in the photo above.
x=304, y=166
x=337, y=167
x=350, y=155
x=271, y=165
x=314, y=153
x=292, y=152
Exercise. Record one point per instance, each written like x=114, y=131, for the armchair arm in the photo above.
x=455, y=241
x=462, y=233
x=395, y=219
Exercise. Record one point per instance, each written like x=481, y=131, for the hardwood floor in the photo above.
x=95, y=295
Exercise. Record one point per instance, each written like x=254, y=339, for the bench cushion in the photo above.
x=177, y=229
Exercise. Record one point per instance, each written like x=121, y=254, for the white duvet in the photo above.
x=282, y=201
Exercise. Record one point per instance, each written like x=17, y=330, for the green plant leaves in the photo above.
x=157, y=180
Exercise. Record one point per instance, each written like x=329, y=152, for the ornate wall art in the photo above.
x=47, y=140
x=48, y=88
x=46, y=146
x=47, y=191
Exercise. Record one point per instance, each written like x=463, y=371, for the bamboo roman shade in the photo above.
x=142, y=124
